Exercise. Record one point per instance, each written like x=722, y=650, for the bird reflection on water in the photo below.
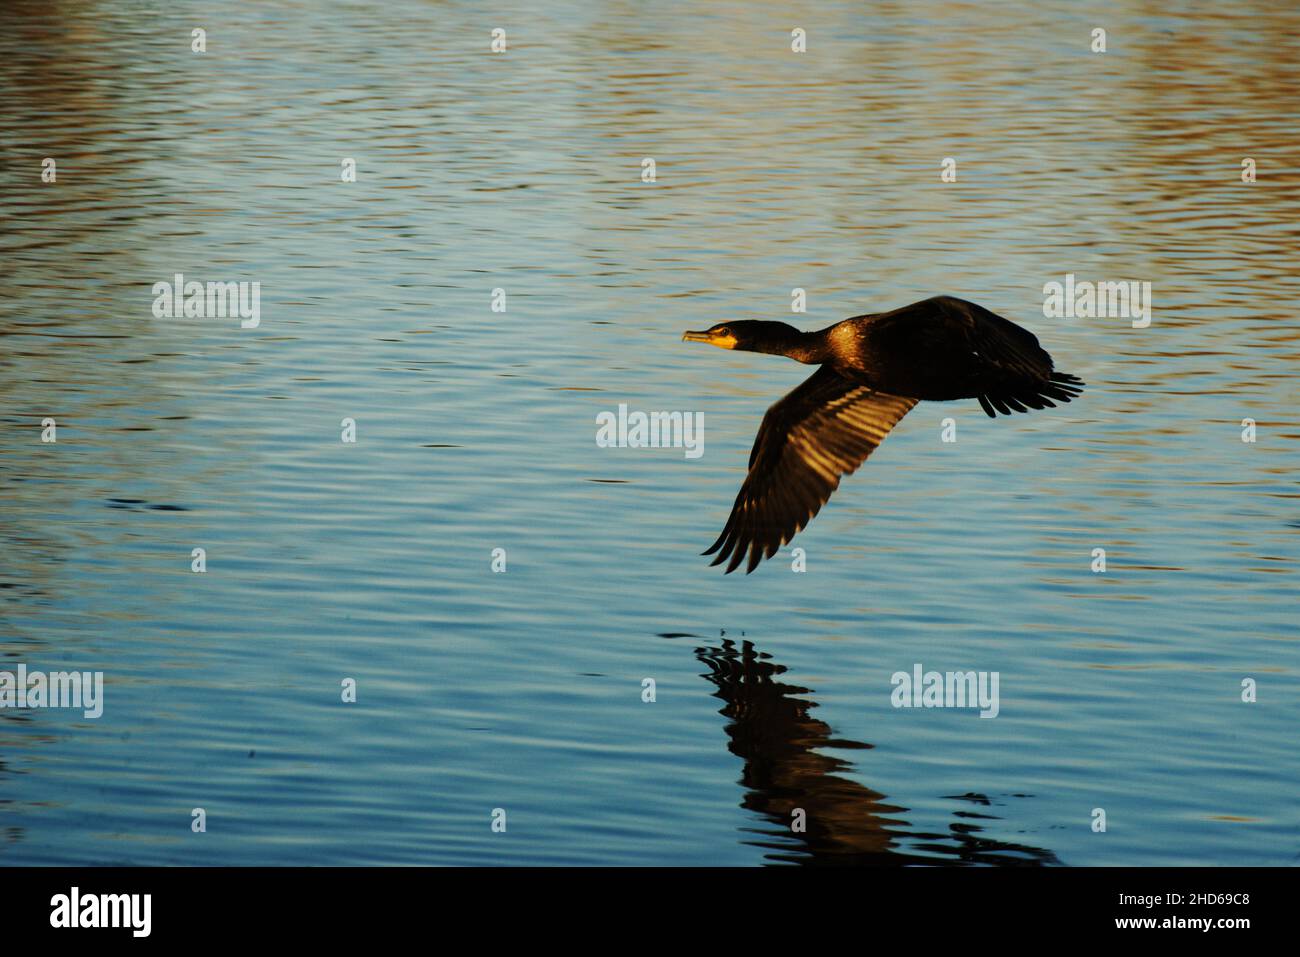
x=771, y=728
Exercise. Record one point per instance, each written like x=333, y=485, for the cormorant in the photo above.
x=873, y=369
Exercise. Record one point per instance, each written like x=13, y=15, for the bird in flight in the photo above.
x=871, y=370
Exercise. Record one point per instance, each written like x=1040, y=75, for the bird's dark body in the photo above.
x=872, y=370
x=930, y=350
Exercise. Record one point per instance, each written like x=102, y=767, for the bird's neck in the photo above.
x=811, y=348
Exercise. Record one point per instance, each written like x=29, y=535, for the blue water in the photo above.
x=475, y=430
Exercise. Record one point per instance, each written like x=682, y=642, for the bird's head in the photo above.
x=749, y=335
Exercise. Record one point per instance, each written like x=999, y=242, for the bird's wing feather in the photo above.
x=822, y=430
x=1017, y=374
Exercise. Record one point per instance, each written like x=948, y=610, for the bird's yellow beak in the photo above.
x=712, y=338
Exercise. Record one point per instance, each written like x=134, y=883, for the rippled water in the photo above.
x=475, y=431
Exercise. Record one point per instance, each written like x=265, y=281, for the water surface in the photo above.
x=475, y=431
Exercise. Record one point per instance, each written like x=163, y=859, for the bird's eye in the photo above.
x=724, y=331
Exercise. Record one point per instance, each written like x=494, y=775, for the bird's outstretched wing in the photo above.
x=822, y=430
